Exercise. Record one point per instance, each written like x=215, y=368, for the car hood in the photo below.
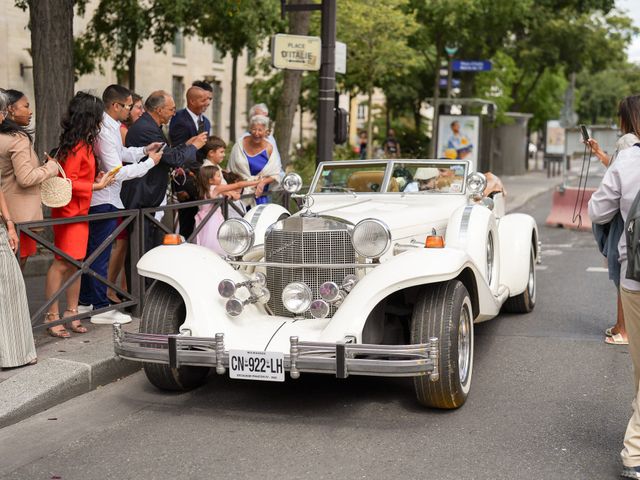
x=399, y=213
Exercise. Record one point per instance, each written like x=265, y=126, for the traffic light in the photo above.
x=341, y=126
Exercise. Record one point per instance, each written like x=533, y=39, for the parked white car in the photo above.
x=383, y=272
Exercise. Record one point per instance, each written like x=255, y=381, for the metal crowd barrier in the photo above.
x=134, y=221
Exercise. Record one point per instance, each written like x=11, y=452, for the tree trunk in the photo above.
x=436, y=105
x=290, y=96
x=369, y=124
x=234, y=91
x=131, y=65
x=51, y=25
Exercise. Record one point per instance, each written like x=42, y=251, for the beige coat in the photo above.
x=21, y=175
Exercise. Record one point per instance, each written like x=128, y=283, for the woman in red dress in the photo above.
x=80, y=127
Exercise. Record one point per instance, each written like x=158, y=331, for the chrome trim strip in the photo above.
x=302, y=265
x=464, y=223
x=256, y=215
x=314, y=357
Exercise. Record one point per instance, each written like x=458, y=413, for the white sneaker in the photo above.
x=109, y=318
x=85, y=308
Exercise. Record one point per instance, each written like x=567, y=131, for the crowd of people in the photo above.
x=115, y=153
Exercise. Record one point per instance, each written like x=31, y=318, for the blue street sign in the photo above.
x=471, y=65
x=455, y=82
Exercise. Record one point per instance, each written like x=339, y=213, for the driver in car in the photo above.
x=424, y=179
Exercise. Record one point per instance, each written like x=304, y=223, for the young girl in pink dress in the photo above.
x=210, y=186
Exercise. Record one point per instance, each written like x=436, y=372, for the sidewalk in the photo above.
x=71, y=367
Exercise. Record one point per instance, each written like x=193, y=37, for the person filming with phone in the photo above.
x=123, y=164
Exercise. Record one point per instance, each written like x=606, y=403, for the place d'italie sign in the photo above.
x=295, y=52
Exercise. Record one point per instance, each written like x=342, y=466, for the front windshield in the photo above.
x=349, y=177
x=438, y=177
x=399, y=176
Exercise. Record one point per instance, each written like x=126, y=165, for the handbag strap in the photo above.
x=60, y=169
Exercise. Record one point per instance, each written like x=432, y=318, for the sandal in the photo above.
x=616, y=339
x=56, y=333
x=609, y=331
x=76, y=325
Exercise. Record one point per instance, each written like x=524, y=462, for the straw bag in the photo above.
x=56, y=191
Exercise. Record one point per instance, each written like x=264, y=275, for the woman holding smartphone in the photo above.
x=80, y=127
x=629, y=116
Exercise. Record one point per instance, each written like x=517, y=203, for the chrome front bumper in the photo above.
x=341, y=359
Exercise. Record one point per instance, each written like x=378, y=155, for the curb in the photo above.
x=58, y=379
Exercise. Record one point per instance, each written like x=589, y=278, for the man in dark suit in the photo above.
x=150, y=190
x=187, y=123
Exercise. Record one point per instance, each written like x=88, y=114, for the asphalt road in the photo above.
x=549, y=400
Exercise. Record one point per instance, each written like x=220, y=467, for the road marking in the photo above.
x=598, y=269
x=542, y=267
x=556, y=245
x=551, y=253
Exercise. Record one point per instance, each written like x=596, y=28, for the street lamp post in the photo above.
x=327, y=80
x=327, y=87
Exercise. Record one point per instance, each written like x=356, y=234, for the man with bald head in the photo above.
x=149, y=191
x=187, y=123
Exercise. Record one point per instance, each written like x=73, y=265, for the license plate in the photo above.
x=253, y=365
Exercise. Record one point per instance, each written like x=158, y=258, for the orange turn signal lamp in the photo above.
x=172, y=239
x=434, y=241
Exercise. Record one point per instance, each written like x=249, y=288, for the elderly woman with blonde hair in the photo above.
x=253, y=158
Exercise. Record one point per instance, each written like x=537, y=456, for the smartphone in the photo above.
x=115, y=170
x=585, y=133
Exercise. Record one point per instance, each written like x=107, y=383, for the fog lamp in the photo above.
x=292, y=182
x=476, y=183
x=319, y=309
x=296, y=297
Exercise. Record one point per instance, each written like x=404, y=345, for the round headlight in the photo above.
x=476, y=183
x=371, y=238
x=296, y=297
x=292, y=182
x=236, y=236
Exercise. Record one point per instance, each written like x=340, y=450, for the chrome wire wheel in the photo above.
x=464, y=344
x=531, y=283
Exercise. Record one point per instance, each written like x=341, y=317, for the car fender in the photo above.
x=262, y=217
x=411, y=268
x=517, y=233
x=195, y=272
x=468, y=230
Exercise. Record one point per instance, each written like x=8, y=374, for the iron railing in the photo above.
x=134, y=221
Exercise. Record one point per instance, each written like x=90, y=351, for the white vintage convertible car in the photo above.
x=383, y=272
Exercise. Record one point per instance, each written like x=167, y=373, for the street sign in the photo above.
x=341, y=57
x=296, y=52
x=471, y=65
x=455, y=82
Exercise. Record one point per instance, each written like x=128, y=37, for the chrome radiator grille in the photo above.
x=324, y=247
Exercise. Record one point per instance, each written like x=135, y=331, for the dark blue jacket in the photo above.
x=181, y=129
x=607, y=237
x=148, y=191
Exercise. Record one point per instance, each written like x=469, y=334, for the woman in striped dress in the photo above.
x=16, y=339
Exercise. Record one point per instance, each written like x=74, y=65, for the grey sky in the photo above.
x=632, y=10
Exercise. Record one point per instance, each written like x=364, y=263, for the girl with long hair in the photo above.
x=80, y=127
x=209, y=183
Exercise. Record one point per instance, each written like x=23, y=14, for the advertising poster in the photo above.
x=555, y=138
x=458, y=137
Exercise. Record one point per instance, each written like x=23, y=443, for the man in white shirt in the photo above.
x=112, y=156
